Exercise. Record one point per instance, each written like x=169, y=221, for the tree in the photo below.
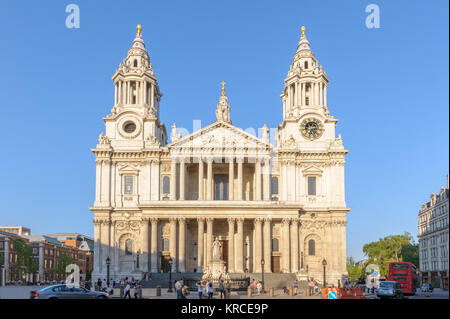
x=62, y=262
x=26, y=263
x=410, y=253
x=389, y=249
x=354, y=272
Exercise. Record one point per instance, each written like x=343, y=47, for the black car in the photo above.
x=67, y=292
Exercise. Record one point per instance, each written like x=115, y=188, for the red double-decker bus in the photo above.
x=405, y=274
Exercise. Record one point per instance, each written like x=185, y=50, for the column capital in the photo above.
x=231, y=220
x=201, y=219
x=240, y=220
x=153, y=219
x=172, y=220
x=209, y=219
x=258, y=220
x=286, y=221
x=182, y=220
x=268, y=219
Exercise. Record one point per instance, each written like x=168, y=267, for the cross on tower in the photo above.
x=223, y=87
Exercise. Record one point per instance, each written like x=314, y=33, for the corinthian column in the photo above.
x=173, y=242
x=181, y=247
x=231, y=180
x=144, y=241
x=239, y=265
x=200, y=179
x=294, y=241
x=173, y=180
x=201, y=231
x=209, y=239
x=258, y=179
x=230, y=265
x=258, y=245
x=266, y=180
x=154, y=245
x=267, y=245
x=209, y=181
x=240, y=178
x=182, y=179
x=285, y=253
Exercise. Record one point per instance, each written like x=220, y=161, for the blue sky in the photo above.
x=389, y=89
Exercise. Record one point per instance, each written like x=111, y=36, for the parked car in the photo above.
x=390, y=289
x=427, y=288
x=65, y=292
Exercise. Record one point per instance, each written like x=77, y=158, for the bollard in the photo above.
x=271, y=292
x=249, y=291
x=158, y=291
x=291, y=291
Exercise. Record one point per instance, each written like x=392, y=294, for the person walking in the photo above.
x=122, y=288
x=99, y=284
x=210, y=290
x=127, y=291
x=185, y=291
x=199, y=290
x=311, y=287
x=259, y=287
x=228, y=287
x=295, y=287
x=178, y=288
x=221, y=290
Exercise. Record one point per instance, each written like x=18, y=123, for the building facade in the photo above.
x=281, y=202
x=45, y=250
x=433, y=238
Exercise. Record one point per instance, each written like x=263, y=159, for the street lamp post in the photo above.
x=170, y=275
x=324, y=264
x=262, y=274
x=108, y=262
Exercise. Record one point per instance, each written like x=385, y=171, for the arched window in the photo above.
x=135, y=63
x=311, y=247
x=166, y=185
x=306, y=64
x=128, y=247
x=274, y=185
x=165, y=244
x=275, y=246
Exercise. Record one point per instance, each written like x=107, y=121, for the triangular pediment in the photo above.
x=219, y=135
x=312, y=170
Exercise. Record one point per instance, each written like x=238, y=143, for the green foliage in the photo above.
x=410, y=253
x=62, y=262
x=354, y=272
x=26, y=263
x=394, y=248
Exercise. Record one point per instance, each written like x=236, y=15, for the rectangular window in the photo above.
x=311, y=185
x=128, y=185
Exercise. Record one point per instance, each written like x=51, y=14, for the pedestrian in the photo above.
x=253, y=285
x=137, y=291
x=221, y=290
x=178, y=288
x=127, y=291
x=228, y=287
x=111, y=283
x=122, y=288
x=199, y=290
x=104, y=285
x=259, y=287
x=295, y=287
x=210, y=290
x=185, y=291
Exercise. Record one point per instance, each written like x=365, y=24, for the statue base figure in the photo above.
x=216, y=271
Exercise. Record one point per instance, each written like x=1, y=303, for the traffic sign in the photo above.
x=332, y=294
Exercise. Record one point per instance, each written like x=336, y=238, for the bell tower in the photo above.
x=136, y=110
x=305, y=86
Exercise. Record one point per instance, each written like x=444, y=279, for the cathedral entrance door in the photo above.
x=220, y=187
x=276, y=264
x=224, y=253
x=165, y=266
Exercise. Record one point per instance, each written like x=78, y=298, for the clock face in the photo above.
x=311, y=128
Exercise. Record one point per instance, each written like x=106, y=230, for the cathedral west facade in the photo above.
x=161, y=205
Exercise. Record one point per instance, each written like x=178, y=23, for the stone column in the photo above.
x=231, y=179
x=240, y=246
x=201, y=231
x=154, y=245
x=285, y=245
x=152, y=97
x=230, y=265
x=97, y=245
x=266, y=180
x=209, y=181
x=209, y=239
x=41, y=262
x=258, y=179
x=325, y=96
x=240, y=178
x=321, y=94
x=173, y=242
x=182, y=179
x=267, y=234
x=173, y=180
x=258, y=245
x=181, y=243
x=144, y=241
x=115, y=94
x=201, y=192
x=303, y=93
x=294, y=244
